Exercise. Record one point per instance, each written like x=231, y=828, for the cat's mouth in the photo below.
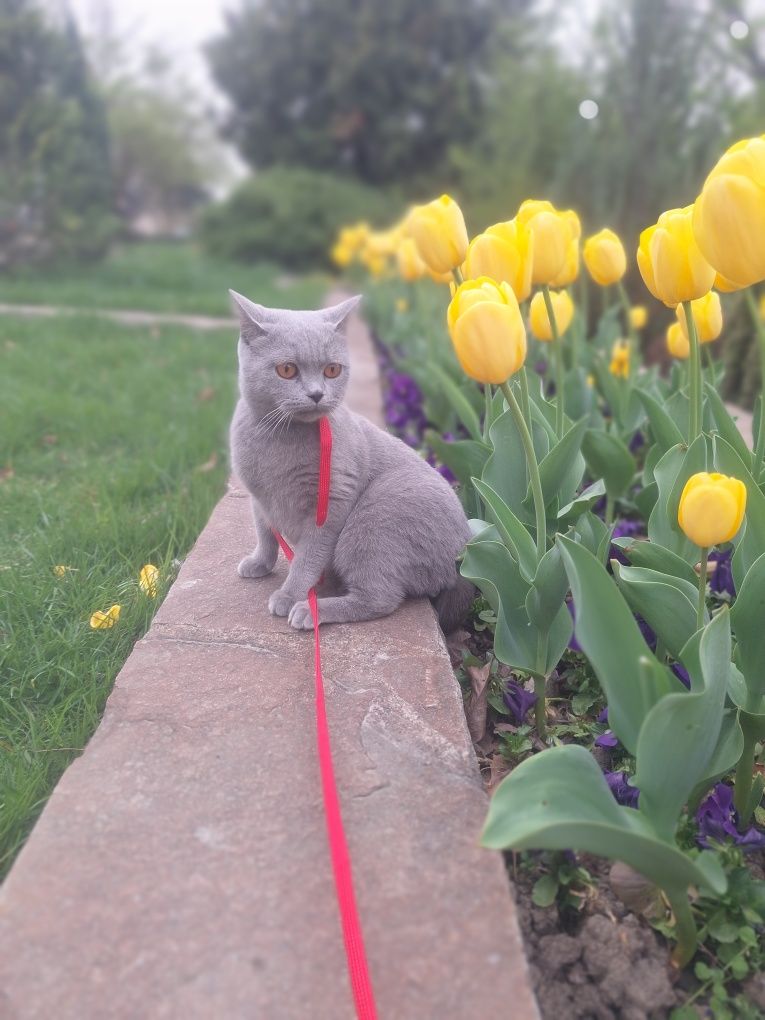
x=311, y=414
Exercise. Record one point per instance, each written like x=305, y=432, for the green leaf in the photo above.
x=726, y=426
x=608, y=458
x=512, y=532
x=645, y=499
x=664, y=429
x=544, y=892
x=666, y=603
x=548, y=591
x=559, y=800
x=561, y=470
x=465, y=457
x=752, y=541
x=505, y=469
x=679, y=734
x=653, y=556
x=581, y=503
x=465, y=410
x=593, y=534
x=671, y=473
x=748, y=621
x=609, y=636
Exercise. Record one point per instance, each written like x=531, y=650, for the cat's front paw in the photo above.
x=300, y=616
x=280, y=604
x=253, y=566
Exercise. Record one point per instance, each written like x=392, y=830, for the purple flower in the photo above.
x=637, y=441
x=603, y=716
x=518, y=700
x=648, y=635
x=607, y=739
x=624, y=794
x=717, y=820
x=721, y=578
x=682, y=674
x=573, y=643
x=624, y=529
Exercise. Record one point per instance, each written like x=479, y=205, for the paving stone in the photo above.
x=181, y=869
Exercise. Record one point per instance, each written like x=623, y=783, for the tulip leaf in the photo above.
x=559, y=800
x=579, y=504
x=593, y=534
x=465, y=457
x=671, y=473
x=679, y=734
x=666, y=603
x=726, y=426
x=648, y=554
x=645, y=500
x=611, y=640
x=561, y=470
x=505, y=469
x=664, y=428
x=548, y=592
x=512, y=532
x=462, y=406
x=748, y=621
x=608, y=458
x=678, y=407
x=752, y=540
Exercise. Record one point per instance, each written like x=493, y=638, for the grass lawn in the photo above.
x=159, y=277
x=113, y=451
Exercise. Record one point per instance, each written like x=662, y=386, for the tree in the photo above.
x=378, y=90
x=55, y=183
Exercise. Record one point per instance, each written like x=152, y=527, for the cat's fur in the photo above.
x=394, y=526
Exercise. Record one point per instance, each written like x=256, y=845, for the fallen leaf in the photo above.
x=498, y=769
x=209, y=465
x=477, y=705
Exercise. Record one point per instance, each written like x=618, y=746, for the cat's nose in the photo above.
x=316, y=396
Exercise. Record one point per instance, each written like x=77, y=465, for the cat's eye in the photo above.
x=333, y=371
x=287, y=370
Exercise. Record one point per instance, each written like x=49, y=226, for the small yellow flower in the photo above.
x=707, y=315
x=638, y=316
x=605, y=257
x=678, y=344
x=711, y=508
x=147, y=580
x=487, y=330
x=103, y=621
x=402, y=305
x=591, y=380
x=60, y=570
x=620, y=359
x=440, y=234
x=563, y=309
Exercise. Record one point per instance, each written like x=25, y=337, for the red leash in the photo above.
x=338, y=848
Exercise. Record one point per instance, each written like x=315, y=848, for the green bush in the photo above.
x=290, y=216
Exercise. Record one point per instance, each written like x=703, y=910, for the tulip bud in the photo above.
x=553, y=231
x=707, y=316
x=670, y=262
x=563, y=310
x=620, y=359
x=504, y=252
x=729, y=214
x=678, y=344
x=638, y=316
x=711, y=508
x=439, y=232
x=605, y=257
x=410, y=265
x=487, y=330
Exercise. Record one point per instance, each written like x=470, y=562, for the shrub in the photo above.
x=289, y=215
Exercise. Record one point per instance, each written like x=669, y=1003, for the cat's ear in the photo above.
x=338, y=314
x=253, y=318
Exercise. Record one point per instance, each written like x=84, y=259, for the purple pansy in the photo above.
x=717, y=820
x=682, y=674
x=721, y=578
x=607, y=739
x=623, y=793
x=518, y=700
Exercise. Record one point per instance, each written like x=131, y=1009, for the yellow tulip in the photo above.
x=504, y=252
x=729, y=214
x=725, y=285
x=670, y=262
x=638, y=316
x=402, y=305
x=711, y=508
x=341, y=255
x=147, y=580
x=563, y=310
x=410, y=265
x=103, y=621
x=620, y=359
x=707, y=315
x=605, y=257
x=553, y=231
x=439, y=232
x=487, y=330
x=678, y=344
x=570, y=270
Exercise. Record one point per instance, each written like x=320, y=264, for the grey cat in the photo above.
x=394, y=526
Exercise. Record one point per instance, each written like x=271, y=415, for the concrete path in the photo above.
x=180, y=869
x=129, y=317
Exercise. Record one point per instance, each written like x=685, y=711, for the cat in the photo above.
x=394, y=527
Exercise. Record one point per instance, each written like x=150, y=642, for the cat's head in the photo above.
x=292, y=365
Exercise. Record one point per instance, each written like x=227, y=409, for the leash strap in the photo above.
x=355, y=953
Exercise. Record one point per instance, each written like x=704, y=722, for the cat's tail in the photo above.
x=452, y=604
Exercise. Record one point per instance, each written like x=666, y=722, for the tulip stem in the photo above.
x=685, y=927
x=702, y=604
x=487, y=403
x=759, y=328
x=558, y=359
x=523, y=381
x=540, y=687
x=532, y=466
x=752, y=727
x=631, y=331
x=694, y=368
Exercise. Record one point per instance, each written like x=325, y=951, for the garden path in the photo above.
x=180, y=868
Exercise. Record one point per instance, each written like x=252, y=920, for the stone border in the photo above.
x=180, y=868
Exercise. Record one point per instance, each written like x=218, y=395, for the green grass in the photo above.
x=112, y=454
x=160, y=277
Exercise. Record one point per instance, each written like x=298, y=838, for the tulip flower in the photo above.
x=729, y=214
x=410, y=265
x=563, y=310
x=605, y=257
x=620, y=359
x=439, y=232
x=670, y=261
x=678, y=344
x=707, y=317
x=147, y=580
x=341, y=255
x=570, y=270
x=487, y=330
x=638, y=316
x=104, y=621
x=724, y=285
x=553, y=231
x=504, y=252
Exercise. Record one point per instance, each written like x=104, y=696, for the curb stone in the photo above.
x=180, y=868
